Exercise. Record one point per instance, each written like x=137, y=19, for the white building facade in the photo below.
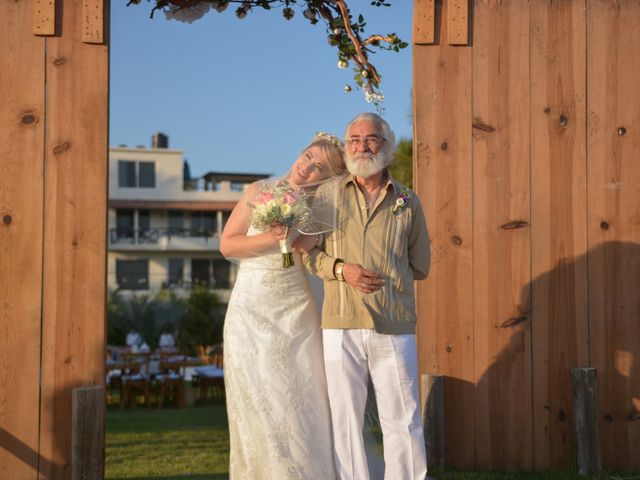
x=164, y=230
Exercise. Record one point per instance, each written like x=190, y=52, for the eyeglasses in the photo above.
x=372, y=142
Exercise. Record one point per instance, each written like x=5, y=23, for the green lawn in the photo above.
x=193, y=443
x=187, y=443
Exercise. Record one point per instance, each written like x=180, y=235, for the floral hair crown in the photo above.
x=330, y=138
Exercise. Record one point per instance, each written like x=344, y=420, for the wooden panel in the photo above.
x=558, y=216
x=93, y=17
x=87, y=438
x=501, y=236
x=75, y=231
x=22, y=57
x=44, y=17
x=424, y=23
x=458, y=19
x=614, y=225
x=442, y=134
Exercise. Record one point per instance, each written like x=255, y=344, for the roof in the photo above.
x=231, y=176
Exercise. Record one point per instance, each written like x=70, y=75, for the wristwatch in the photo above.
x=337, y=270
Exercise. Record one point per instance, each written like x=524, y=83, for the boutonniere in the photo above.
x=402, y=200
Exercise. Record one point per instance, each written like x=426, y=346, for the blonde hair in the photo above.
x=332, y=152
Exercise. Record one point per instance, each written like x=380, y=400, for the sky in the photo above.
x=245, y=95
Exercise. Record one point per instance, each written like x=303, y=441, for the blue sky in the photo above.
x=244, y=95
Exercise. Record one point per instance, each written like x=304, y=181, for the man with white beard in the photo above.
x=368, y=266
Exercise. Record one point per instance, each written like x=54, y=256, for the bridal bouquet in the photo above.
x=280, y=204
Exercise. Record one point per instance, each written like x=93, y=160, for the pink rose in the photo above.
x=265, y=197
x=290, y=197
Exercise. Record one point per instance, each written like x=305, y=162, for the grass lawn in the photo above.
x=187, y=443
x=193, y=443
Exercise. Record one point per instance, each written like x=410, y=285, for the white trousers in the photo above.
x=350, y=356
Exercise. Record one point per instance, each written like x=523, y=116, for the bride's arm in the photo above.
x=235, y=242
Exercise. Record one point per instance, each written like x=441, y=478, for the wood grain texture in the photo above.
x=424, y=22
x=458, y=21
x=501, y=255
x=93, y=18
x=614, y=225
x=585, y=420
x=442, y=177
x=74, y=231
x=87, y=439
x=558, y=216
x=22, y=57
x=44, y=17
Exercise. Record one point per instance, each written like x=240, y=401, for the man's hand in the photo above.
x=304, y=243
x=361, y=279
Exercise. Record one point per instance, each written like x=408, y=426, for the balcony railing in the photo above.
x=153, y=235
x=214, y=284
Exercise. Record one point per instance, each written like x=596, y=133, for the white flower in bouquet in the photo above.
x=280, y=204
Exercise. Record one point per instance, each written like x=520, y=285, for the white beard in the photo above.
x=363, y=165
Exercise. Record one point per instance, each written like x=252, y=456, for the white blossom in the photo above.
x=188, y=15
x=371, y=96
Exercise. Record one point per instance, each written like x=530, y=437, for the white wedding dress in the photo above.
x=279, y=420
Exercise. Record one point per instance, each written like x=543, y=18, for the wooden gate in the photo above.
x=527, y=133
x=53, y=177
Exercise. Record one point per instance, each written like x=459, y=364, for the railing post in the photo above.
x=585, y=413
x=432, y=394
x=87, y=435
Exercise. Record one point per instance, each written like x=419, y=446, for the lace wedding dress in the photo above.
x=277, y=401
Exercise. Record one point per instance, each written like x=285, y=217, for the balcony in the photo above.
x=163, y=239
x=182, y=288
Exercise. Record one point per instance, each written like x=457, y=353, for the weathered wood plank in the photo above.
x=502, y=268
x=424, y=22
x=44, y=17
x=558, y=214
x=74, y=232
x=458, y=20
x=22, y=57
x=614, y=225
x=93, y=18
x=432, y=393
x=442, y=177
x=585, y=419
x=87, y=438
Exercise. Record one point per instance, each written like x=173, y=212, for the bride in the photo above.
x=279, y=419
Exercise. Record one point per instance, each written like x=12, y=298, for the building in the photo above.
x=164, y=227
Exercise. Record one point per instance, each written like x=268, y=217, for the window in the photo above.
x=225, y=217
x=221, y=273
x=203, y=223
x=126, y=173
x=124, y=225
x=136, y=174
x=176, y=269
x=176, y=222
x=237, y=186
x=144, y=220
x=132, y=274
x=147, y=172
x=200, y=271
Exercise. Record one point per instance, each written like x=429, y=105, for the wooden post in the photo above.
x=432, y=387
x=87, y=436
x=585, y=413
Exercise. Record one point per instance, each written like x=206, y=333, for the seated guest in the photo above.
x=167, y=342
x=133, y=340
